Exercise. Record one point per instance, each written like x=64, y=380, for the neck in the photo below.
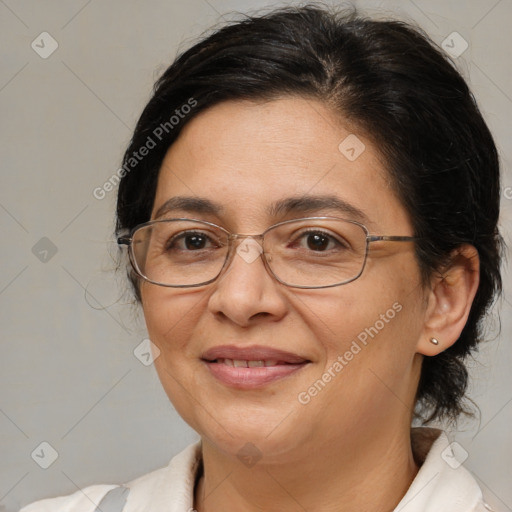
x=370, y=474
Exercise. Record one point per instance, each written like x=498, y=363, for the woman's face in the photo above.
x=354, y=346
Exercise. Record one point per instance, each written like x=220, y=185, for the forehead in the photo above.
x=248, y=156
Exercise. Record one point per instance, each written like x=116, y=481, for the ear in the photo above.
x=449, y=299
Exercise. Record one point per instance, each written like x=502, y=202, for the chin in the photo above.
x=266, y=433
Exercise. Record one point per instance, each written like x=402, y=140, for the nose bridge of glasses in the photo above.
x=242, y=236
x=253, y=241
x=248, y=247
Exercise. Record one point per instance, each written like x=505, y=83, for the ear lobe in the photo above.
x=449, y=300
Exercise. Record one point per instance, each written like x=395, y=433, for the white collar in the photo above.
x=442, y=484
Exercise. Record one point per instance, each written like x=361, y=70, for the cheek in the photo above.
x=170, y=317
x=372, y=323
x=369, y=352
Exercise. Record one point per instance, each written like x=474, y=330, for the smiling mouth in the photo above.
x=251, y=367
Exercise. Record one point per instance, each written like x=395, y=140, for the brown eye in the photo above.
x=195, y=241
x=317, y=242
x=189, y=241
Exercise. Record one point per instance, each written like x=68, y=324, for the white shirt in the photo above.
x=441, y=485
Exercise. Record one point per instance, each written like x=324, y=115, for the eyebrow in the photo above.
x=305, y=204
x=190, y=205
x=309, y=204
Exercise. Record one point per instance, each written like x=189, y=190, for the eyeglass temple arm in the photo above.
x=124, y=240
x=386, y=238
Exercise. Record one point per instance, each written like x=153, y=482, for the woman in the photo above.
x=310, y=202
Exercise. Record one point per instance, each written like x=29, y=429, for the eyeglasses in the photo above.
x=313, y=252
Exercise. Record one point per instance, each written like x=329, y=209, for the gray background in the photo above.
x=68, y=373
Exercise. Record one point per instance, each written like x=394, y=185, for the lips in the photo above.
x=251, y=367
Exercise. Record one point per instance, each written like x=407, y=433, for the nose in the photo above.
x=246, y=293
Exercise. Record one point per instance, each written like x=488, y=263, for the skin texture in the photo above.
x=349, y=447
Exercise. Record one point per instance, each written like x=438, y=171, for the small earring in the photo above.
x=434, y=341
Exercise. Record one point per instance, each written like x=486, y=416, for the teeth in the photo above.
x=254, y=364
x=239, y=363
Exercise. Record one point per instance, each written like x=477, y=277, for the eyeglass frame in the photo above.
x=127, y=240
